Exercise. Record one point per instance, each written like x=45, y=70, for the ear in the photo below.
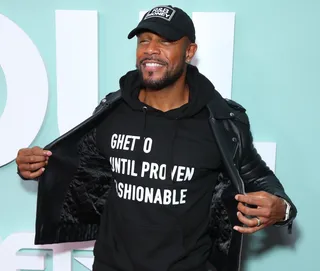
x=191, y=51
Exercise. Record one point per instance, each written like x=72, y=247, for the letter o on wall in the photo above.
x=27, y=90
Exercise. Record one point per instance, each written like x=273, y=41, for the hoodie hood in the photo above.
x=201, y=92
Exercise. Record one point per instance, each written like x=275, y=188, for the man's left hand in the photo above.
x=269, y=210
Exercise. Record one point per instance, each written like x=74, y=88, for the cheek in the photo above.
x=139, y=55
x=170, y=58
x=177, y=61
x=175, y=58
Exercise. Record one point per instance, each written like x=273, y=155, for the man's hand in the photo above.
x=31, y=162
x=269, y=210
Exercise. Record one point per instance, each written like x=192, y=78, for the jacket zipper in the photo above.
x=240, y=253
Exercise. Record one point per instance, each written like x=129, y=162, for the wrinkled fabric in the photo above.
x=87, y=193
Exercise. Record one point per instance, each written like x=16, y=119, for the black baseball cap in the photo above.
x=169, y=22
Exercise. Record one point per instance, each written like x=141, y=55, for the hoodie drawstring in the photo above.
x=144, y=109
x=171, y=159
x=142, y=138
x=170, y=164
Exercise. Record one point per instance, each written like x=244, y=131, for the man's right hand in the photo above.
x=32, y=161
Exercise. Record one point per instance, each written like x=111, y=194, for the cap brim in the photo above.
x=162, y=30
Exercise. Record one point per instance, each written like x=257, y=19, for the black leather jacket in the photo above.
x=73, y=190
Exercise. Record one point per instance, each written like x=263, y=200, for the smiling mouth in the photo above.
x=152, y=64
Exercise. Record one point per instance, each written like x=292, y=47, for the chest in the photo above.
x=183, y=143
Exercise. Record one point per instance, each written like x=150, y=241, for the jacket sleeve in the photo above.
x=256, y=174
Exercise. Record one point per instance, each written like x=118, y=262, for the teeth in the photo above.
x=153, y=65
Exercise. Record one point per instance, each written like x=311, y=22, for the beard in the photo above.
x=169, y=78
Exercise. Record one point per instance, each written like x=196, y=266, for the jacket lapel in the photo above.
x=220, y=115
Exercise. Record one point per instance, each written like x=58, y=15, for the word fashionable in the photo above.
x=150, y=195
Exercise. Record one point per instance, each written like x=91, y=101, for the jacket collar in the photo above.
x=221, y=107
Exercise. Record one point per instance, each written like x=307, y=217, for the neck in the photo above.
x=171, y=97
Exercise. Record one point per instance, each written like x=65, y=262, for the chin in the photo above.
x=152, y=78
x=153, y=84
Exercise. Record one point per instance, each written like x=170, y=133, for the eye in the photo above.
x=165, y=42
x=143, y=41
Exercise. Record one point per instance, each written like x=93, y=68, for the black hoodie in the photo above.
x=165, y=166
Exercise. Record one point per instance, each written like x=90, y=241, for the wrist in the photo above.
x=287, y=208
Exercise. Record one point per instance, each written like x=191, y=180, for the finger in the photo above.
x=246, y=221
x=39, y=151
x=33, y=151
x=258, y=193
x=248, y=230
x=250, y=222
x=32, y=175
x=251, y=211
x=252, y=200
x=47, y=153
x=31, y=159
x=32, y=167
x=24, y=151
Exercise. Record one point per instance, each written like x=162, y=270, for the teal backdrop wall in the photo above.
x=275, y=77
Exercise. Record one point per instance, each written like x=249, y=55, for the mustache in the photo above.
x=152, y=59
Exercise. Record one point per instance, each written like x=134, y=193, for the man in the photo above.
x=166, y=163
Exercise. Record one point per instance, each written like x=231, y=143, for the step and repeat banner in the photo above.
x=59, y=58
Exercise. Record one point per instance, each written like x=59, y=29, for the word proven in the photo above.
x=151, y=170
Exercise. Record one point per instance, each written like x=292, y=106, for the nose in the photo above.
x=153, y=48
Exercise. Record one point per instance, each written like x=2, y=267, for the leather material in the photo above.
x=73, y=190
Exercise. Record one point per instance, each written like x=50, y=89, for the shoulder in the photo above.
x=238, y=110
x=234, y=105
x=108, y=100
